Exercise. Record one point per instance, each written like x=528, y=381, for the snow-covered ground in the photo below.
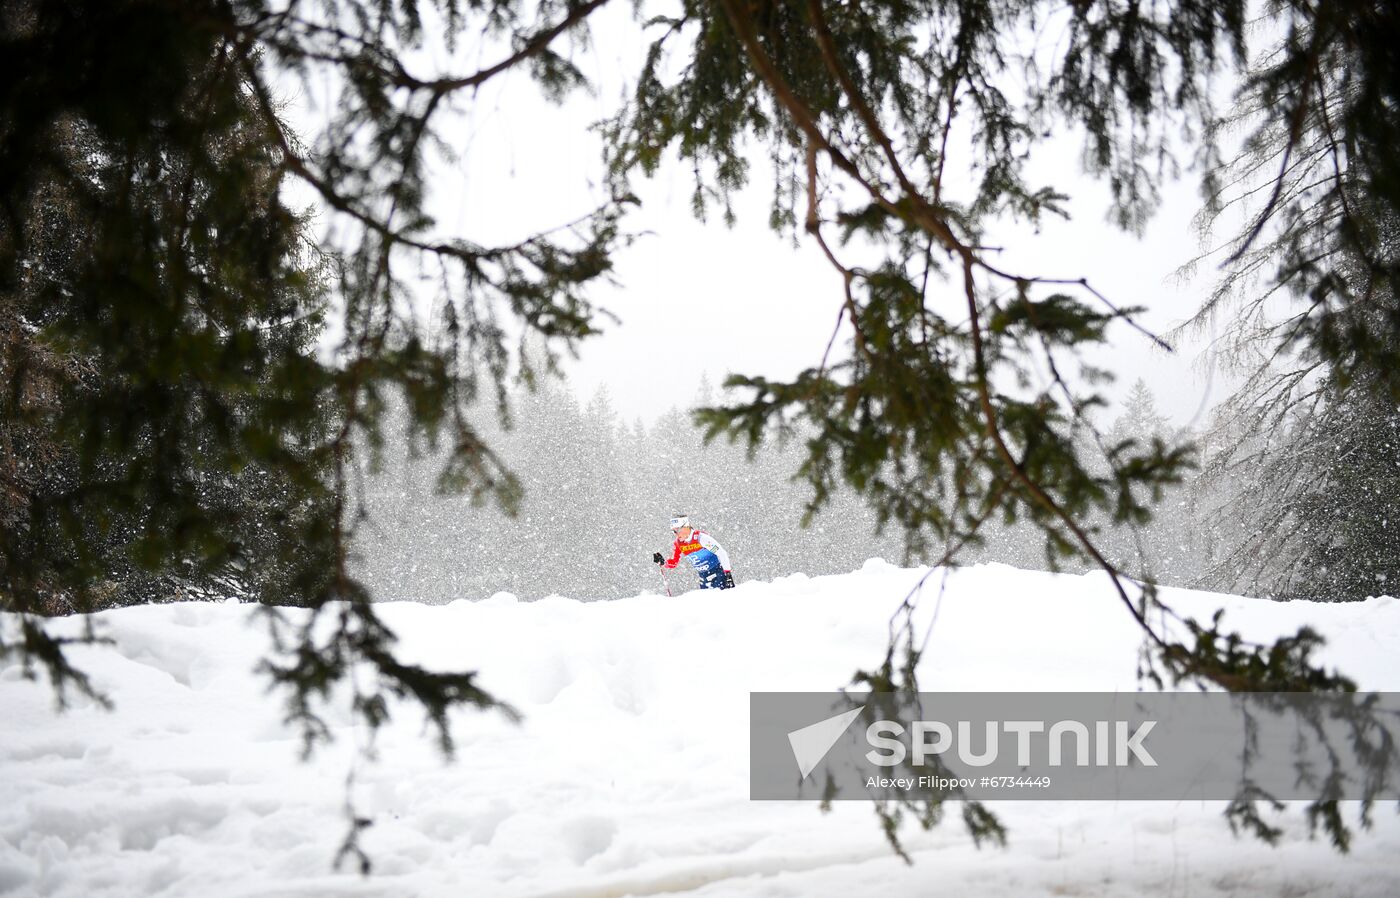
x=629, y=774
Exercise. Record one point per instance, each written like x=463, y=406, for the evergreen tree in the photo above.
x=1140, y=419
x=1154, y=546
x=165, y=416
x=1305, y=445
x=1348, y=510
x=162, y=424
x=1313, y=507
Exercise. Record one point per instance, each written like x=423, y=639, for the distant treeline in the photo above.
x=597, y=493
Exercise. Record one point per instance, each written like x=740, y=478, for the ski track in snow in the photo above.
x=629, y=775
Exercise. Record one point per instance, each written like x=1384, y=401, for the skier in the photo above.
x=706, y=555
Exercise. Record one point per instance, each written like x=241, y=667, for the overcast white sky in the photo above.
x=700, y=299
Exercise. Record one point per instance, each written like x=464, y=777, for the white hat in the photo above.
x=679, y=521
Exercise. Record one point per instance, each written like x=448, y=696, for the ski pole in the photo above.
x=664, y=582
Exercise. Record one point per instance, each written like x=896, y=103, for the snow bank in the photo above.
x=629, y=774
